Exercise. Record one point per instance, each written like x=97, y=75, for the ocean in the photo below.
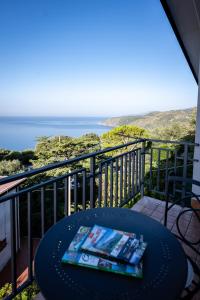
x=20, y=133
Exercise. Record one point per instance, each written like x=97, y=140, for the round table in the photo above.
x=164, y=261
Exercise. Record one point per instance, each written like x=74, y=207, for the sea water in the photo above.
x=19, y=133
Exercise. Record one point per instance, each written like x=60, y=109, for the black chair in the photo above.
x=183, y=187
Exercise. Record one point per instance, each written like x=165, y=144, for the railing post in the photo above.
x=150, y=169
x=55, y=202
x=84, y=190
x=13, y=245
x=142, y=169
x=69, y=195
x=166, y=172
x=17, y=221
x=133, y=176
x=30, y=242
x=185, y=161
x=42, y=212
x=106, y=185
x=92, y=181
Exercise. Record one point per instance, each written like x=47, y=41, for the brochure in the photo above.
x=115, y=244
x=75, y=256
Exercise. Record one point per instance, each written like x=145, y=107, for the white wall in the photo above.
x=196, y=169
x=5, y=231
x=5, y=254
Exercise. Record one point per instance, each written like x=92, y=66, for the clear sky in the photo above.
x=90, y=58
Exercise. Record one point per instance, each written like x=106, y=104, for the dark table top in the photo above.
x=165, y=264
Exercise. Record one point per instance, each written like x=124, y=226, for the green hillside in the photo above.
x=154, y=119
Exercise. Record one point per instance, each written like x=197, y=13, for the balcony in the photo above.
x=132, y=175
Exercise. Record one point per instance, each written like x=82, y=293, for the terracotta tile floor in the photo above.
x=22, y=262
x=190, y=226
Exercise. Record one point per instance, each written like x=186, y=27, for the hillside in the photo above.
x=154, y=119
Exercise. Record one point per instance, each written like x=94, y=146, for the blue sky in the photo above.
x=90, y=58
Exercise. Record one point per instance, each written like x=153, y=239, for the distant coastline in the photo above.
x=103, y=123
x=153, y=119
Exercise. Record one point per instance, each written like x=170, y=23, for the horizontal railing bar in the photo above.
x=157, y=192
x=163, y=149
x=64, y=163
x=171, y=168
x=186, y=180
x=160, y=141
x=182, y=158
x=50, y=189
x=173, y=142
x=178, y=191
x=39, y=185
x=127, y=200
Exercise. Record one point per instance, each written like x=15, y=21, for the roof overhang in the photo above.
x=184, y=17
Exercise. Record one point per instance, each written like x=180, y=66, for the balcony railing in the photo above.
x=115, y=176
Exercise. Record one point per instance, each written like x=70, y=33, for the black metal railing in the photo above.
x=107, y=178
x=164, y=158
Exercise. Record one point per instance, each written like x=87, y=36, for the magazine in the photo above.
x=115, y=244
x=75, y=256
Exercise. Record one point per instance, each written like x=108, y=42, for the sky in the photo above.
x=90, y=58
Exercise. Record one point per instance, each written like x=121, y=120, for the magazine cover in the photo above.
x=115, y=244
x=79, y=238
x=74, y=256
x=100, y=263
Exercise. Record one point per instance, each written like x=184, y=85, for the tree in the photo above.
x=87, y=143
x=23, y=156
x=27, y=156
x=122, y=135
x=9, y=167
x=53, y=149
x=3, y=153
x=173, y=132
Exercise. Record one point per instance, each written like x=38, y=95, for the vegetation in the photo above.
x=23, y=156
x=155, y=120
x=122, y=135
x=49, y=150
x=9, y=167
x=12, y=162
x=58, y=148
x=28, y=293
